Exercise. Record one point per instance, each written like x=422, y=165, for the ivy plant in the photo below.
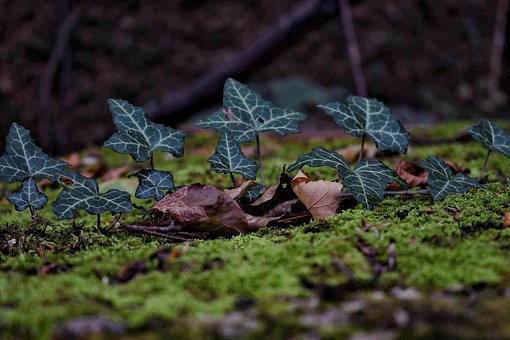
x=245, y=114
x=492, y=137
x=367, y=181
x=81, y=193
x=229, y=158
x=140, y=137
x=363, y=117
x=441, y=180
x=25, y=161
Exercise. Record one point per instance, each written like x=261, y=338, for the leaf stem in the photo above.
x=485, y=163
x=233, y=179
x=152, y=161
x=363, y=137
x=98, y=225
x=259, y=154
x=32, y=212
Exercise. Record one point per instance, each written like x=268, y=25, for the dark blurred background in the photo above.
x=428, y=60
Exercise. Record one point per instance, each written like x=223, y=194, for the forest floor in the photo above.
x=411, y=268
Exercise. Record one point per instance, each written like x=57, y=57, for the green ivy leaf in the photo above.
x=318, y=157
x=229, y=158
x=83, y=194
x=358, y=116
x=253, y=194
x=367, y=182
x=491, y=136
x=23, y=159
x=151, y=183
x=245, y=114
x=140, y=137
x=28, y=196
x=441, y=180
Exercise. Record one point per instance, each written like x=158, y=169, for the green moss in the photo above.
x=456, y=242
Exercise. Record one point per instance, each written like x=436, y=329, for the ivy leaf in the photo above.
x=152, y=183
x=28, y=196
x=367, y=182
x=245, y=114
x=253, y=194
x=139, y=136
x=441, y=180
x=229, y=158
x=358, y=116
x=491, y=136
x=318, y=157
x=23, y=159
x=84, y=195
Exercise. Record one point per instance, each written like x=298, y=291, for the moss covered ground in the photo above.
x=410, y=268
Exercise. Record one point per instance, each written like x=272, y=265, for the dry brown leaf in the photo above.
x=351, y=152
x=412, y=173
x=273, y=197
x=506, y=220
x=205, y=208
x=116, y=173
x=455, y=167
x=321, y=198
x=239, y=191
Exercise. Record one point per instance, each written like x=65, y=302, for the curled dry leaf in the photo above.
x=412, y=173
x=272, y=197
x=205, y=208
x=238, y=192
x=321, y=198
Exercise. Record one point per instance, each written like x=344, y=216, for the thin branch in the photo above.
x=498, y=44
x=347, y=193
x=286, y=30
x=352, y=47
x=143, y=230
x=48, y=121
x=261, y=166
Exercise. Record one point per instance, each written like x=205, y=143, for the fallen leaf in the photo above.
x=273, y=196
x=116, y=173
x=456, y=168
x=321, y=198
x=351, y=152
x=506, y=219
x=238, y=192
x=74, y=160
x=205, y=208
x=412, y=173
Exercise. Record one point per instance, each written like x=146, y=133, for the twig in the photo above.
x=352, y=47
x=143, y=230
x=307, y=14
x=485, y=163
x=261, y=166
x=48, y=121
x=347, y=193
x=498, y=44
